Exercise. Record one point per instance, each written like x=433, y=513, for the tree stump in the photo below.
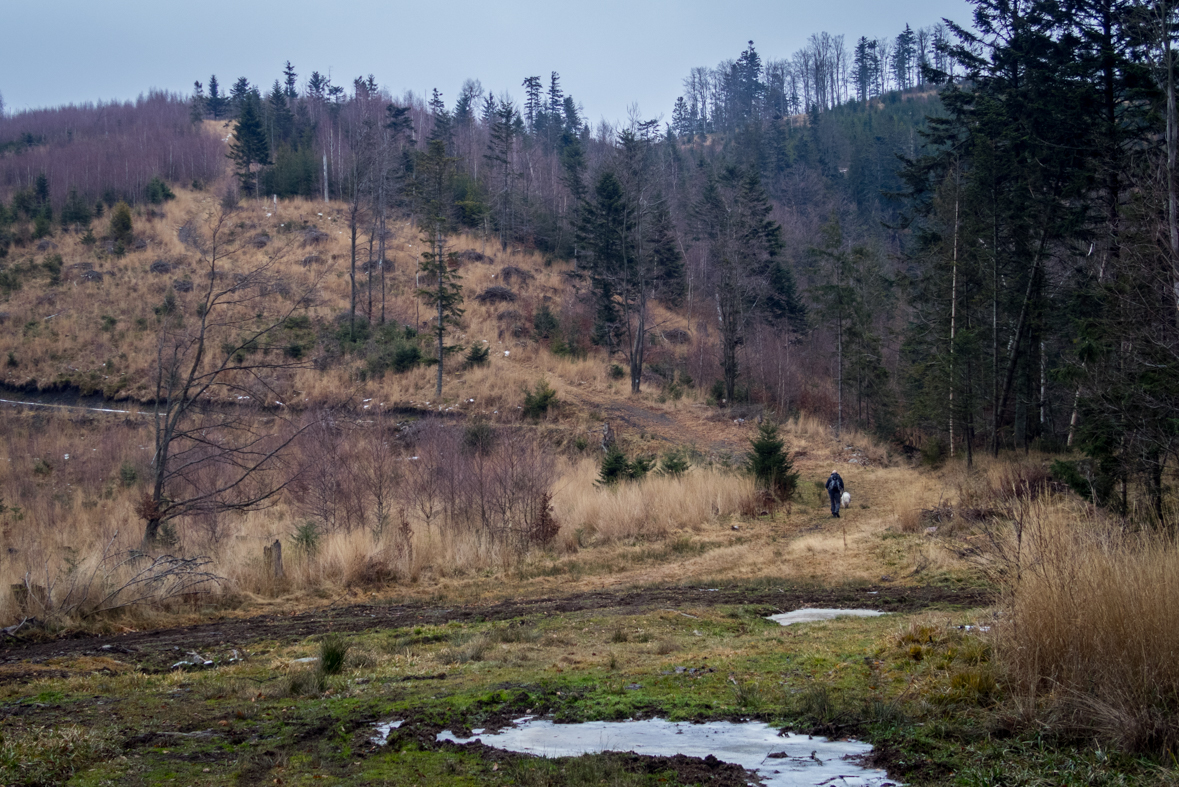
x=272, y=558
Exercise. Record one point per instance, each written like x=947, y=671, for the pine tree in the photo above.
x=770, y=463
x=196, y=110
x=443, y=127
x=249, y=146
x=317, y=86
x=500, y=145
x=904, y=58
x=532, y=101
x=289, y=81
x=435, y=171
x=215, y=103
x=120, y=226
x=732, y=216
x=237, y=95
x=464, y=106
x=280, y=122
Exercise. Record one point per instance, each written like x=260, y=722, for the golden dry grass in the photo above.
x=652, y=509
x=1088, y=636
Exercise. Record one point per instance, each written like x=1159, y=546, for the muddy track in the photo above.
x=157, y=650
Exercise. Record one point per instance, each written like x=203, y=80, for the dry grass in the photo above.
x=1089, y=634
x=60, y=514
x=102, y=335
x=651, y=509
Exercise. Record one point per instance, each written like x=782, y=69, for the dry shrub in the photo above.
x=1089, y=636
x=651, y=508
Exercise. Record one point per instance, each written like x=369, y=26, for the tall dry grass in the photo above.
x=1089, y=634
x=397, y=508
x=651, y=508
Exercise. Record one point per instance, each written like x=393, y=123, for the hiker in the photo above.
x=835, y=489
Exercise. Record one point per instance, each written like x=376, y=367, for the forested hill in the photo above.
x=1000, y=275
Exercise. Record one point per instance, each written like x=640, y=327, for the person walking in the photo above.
x=835, y=490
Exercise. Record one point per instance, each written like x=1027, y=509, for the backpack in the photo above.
x=835, y=482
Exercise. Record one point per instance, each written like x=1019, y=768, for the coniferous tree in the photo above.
x=289, y=81
x=500, y=146
x=770, y=463
x=215, y=103
x=443, y=124
x=249, y=147
x=317, y=85
x=732, y=216
x=280, y=121
x=532, y=101
x=904, y=58
x=439, y=267
x=197, y=103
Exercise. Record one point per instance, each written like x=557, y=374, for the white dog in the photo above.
x=845, y=499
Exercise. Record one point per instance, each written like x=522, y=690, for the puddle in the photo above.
x=811, y=615
x=381, y=732
x=781, y=761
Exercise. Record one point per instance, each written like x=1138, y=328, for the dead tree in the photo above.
x=221, y=426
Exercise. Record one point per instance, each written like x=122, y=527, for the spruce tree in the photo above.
x=196, y=111
x=249, y=146
x=770, y=463
x=237, y=95
x=439, y=267
x=215, y=103
x=289, y=77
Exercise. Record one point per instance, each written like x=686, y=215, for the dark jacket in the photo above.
x=835, y=484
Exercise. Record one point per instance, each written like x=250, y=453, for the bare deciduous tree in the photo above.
x=221, y=426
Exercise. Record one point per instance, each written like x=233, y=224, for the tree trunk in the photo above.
x=953, y=311
x=1020, y=325
x=352, y=276
x=441, y=324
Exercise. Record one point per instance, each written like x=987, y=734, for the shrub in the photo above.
x=52, y=267
x=128, y=475
x=616, y=372
x=640, y=466
x=540, y=400
x=477, y=355
x=479, y=437
x=615, y=467
x=545, y=322
x=332, y=652
x=306, y=538
x=675, y=463
x=157, y=191
x=120, y=226
x=933, y=452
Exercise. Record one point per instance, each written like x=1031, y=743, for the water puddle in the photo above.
x=780, y=760
x=812, y=615
x=381, y=732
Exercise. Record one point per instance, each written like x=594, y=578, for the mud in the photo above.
x=158, y=650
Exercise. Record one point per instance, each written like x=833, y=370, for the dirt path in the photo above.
x=158, y=650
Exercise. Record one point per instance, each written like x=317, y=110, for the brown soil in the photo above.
x=158, y=650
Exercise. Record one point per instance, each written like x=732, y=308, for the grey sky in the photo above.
x=610, y=53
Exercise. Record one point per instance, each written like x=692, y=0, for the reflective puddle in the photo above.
x=381, y=732
x=811, y=615
x=780, y=760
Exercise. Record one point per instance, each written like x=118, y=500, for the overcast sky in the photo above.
x=611, y=54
